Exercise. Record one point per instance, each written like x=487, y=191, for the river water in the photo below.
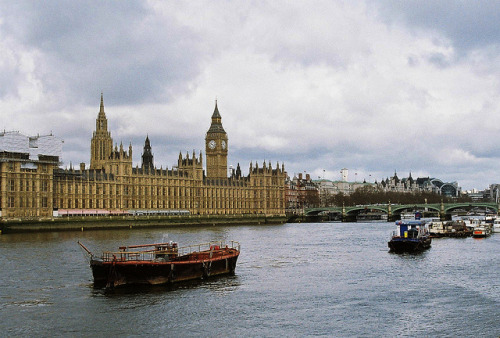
x=320, y=279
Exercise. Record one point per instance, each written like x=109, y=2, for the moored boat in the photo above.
x=162, y=263
x=482, y=230
x=436, y=227
x=456, y=228
x=496, y=225
x=410, y=236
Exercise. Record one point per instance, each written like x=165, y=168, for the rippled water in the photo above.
x=327, y=279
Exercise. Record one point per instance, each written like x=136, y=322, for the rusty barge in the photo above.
x=162, y=263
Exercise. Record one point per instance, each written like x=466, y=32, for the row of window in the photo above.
x=28, y=185
x=163, y=191
x=27, y=202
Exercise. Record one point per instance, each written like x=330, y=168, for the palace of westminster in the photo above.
x=34, y=186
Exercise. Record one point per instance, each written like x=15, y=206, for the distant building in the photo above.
x=494, y=192
x=329, y=188
x=421, y=184
x=300, y=193
x=344, y=173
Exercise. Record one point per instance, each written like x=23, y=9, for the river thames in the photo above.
x=316, y=279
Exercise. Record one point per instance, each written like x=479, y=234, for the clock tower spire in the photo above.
x=216, y=147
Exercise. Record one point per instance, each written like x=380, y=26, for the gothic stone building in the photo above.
x=27, y=167
x=37, y=187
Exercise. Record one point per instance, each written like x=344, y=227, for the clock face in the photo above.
x=211, y=144
x=223, y=144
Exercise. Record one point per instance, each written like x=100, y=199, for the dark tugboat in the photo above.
x=410, y=236
x=162, y=263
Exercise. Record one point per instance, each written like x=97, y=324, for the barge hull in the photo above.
x=112, y=274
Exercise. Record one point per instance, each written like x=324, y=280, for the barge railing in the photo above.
x=164, y=253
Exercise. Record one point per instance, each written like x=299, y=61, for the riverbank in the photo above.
x=131, y=222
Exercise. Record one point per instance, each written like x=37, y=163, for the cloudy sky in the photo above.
x=375, y=87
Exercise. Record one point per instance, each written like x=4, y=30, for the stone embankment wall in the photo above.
x=110, y=222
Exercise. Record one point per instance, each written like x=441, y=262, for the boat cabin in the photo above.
x=166, y=251
x=409, y=229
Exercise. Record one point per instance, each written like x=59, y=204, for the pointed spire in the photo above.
x=216, y=111
x=101, y=108
x=216, y=125
x=238, y=171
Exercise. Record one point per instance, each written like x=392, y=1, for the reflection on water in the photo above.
x=333, y=279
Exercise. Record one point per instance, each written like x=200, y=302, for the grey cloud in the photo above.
x=120, y=47
x=468, y=24
x=326, y=81
x=439, y=60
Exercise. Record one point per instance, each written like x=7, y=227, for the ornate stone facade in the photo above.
x=113, y=185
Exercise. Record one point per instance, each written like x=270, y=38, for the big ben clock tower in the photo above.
x=216, y=147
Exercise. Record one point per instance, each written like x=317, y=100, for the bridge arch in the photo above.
x=399, y=208
x=395, y=209
x=469, y=206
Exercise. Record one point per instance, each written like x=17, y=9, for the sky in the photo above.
x=376, y=87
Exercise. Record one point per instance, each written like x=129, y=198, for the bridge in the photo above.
x=442, y=210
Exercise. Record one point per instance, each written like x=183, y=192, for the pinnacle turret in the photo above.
x=147, y=155
x=216, y=113
x=101, y=108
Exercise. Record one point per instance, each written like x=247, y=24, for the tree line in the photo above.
x=368, y=195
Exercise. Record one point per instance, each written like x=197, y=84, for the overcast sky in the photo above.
x=375, y=86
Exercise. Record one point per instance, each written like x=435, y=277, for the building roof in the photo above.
x=35, y=146
x=216, y=126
